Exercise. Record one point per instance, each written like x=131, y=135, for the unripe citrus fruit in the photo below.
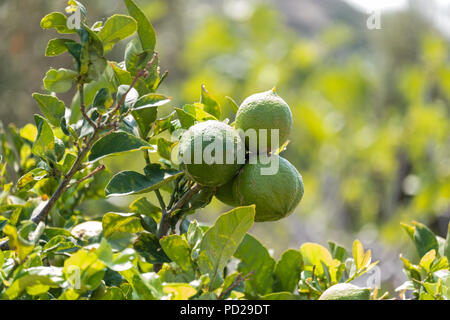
x=275, y=196
x=345, y=291
x=225, y=194
x=200, y=158
x=265, y=110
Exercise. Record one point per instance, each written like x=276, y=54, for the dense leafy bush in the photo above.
x=50, y=250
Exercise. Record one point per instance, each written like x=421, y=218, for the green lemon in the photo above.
x=345, y=291
x=225, y=194
x=268, y=111
x=209, y=153
x=275, y=195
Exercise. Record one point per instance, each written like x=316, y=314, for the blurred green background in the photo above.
x=371, y=107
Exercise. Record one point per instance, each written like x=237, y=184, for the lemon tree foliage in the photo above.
x=51, y=249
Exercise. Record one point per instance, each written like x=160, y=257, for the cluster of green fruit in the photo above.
x=242, y=183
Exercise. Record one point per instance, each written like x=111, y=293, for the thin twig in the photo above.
x=83, y=106
x=90, y=175
x=164, y=224
x=238, y=281
x=139, y=74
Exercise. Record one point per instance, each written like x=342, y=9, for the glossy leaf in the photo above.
x=60, y=80
x=35, y=281
x=116, y=28
x=56, y=47
x=177, y=249
x=52, y=108
x=83, y=270
x=179, y=291
x=211, y=106
x=117, y=143
x=145, y=29
x=221, y=241
x=148, y=246
x=145, y=207
x=131, y=182
x=424, y=239
x=44, y=146
x=186, y=119
x=287, y=271
x=120, y=222
x=145, y=111
x=56, y=20
x=22, y=247
x=255, y=258
x=314, y=254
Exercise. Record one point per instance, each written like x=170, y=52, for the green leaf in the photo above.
x=287, y=272
x=146, y=286
x=177, y=249
x=197, y=111
x=145, y=29
x=163, y=124
x=427, y=260
x=30, y=178
x=186, y=119
x=116, y=28
x=130, y=99
x=58, y=21
x=145, y=111
x=233, y=104
x=118, y=262
x=58, y=243
x=22, y=246
x=146, y=208
x=313, y=254
x=221, y=241
x=52, y=108
x=84, y=271
x=179, y=291
x=35, y=281
x=56, y=47
x=280, y=296
x=424, y=239
x=121, y=222
x=137, y=59
x=131, y=182
x=255, y=258
x=409, y=230
x=44, y=146
x=338, y=252
x=147, y=245
x=358, y=253
x=151, y=100
x=117, y=143
x=59, y=80
x=165, y=148
x=194, y=235
x=211, y=106
x=102, y=100
x=119, y=75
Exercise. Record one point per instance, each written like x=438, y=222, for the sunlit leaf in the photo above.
x=116, y=28
x=287, y=271
x=145, y=29
x=117, y=143
x=131, y=182
x=52, y=108
x=221, y=241
x=120, y=222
